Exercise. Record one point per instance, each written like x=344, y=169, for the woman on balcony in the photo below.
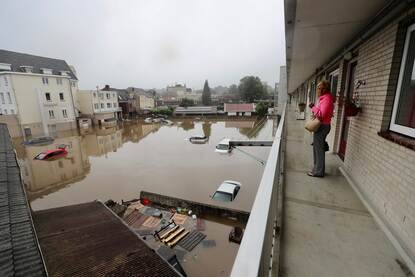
x=324, y=112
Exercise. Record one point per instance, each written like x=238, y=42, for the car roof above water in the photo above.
x=228, y=186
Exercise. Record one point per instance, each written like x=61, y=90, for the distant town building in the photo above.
x=196, y=110
x=38, y=95
x=178, y=90
x=239, y=109
x=144, y=101
x=100, y=105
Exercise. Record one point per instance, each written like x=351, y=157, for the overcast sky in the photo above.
x=151, y=43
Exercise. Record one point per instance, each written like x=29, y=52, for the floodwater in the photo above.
x=119, y=162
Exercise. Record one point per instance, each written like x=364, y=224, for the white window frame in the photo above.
x=63, y=97
x=393, y=126
x=9, y=97
x=50, y=96
x=64, y=113
x=51, y=114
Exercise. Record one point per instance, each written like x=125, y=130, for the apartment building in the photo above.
x=367, y=52
x=100, y=105
x=144, y=101
x=36, y=94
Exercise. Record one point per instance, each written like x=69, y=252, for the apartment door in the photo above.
x=346, y=121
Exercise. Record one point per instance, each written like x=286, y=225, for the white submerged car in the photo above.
x=227, y=191
x=223, y=146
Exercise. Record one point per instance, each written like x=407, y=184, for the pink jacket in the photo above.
x=324, y=108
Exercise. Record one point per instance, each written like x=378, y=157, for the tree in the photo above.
x=186, y=102
x=206, y=97
x=261, y=109
x=251, y=89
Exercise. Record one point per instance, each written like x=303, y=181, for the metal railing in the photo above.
x=254, y=256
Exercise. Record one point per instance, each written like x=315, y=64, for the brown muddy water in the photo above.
x=117, y=163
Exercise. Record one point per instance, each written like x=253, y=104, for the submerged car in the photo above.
x=198, y=139
x=223, y=146
x=52, y=154
x=227, y=191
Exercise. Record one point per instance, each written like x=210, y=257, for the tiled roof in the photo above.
x=20, y=59
x=249, y=107
x=89, y=240
x=19, y=249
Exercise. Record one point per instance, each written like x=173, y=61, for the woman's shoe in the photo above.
x=311, y=174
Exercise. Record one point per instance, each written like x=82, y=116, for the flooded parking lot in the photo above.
x=117, y=163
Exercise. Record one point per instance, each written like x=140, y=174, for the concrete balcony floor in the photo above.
x=327, y=231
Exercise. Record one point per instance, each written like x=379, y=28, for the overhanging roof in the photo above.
x=316, y=30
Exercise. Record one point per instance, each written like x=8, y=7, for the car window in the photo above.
x=41, y=156
x=222, y=196
x=223, y=146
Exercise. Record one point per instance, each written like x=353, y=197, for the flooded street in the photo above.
x=119, y=162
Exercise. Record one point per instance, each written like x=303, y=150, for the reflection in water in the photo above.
x=207, y=128
x=165, y=157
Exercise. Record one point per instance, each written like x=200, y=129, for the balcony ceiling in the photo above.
x=318, y=29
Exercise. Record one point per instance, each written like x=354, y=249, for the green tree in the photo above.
x=261, y=109
x=186, y=102
x=206, y=95
x=251, y=89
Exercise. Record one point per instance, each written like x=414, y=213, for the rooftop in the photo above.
x=18, y=61
x=246, y=107
x=19, y=248
x=90, y=240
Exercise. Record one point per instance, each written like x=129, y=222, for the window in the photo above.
x=5, y=111
x=73, y=84
x=95, y=95
x=102, y=105
x=51, y=114
x=108, y=105
x=108, y=96
x=65, y=114
x=6, y=81
x=2, y=98
x=113, y=95
x=47, y=95
x=334, y=80
x=403, y=115
x=59, y=81
x=96, y=106
x=61, y=97
x=11, y=111
x=45, y=80
x=9, y=97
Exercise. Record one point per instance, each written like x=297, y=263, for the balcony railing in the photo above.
x=254, y=256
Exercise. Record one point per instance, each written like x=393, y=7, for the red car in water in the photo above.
x=52, y=154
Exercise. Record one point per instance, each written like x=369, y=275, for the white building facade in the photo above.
x=100, y=105
x=37, y=94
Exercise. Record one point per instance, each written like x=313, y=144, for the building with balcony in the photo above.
x=100, y=105
x=37, y=94
x=367, y=52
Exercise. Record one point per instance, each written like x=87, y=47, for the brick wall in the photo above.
x=383, y=170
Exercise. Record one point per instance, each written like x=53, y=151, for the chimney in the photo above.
x=107, y=87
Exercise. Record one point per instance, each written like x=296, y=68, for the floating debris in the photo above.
x=193, y=239
x=209, y=243
x=152, y=212
x=179, y=218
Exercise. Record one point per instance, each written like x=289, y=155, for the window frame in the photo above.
x=50, y=96
x=64, y=113
x=63, y=96
x=51, y=114
x=408, y=131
